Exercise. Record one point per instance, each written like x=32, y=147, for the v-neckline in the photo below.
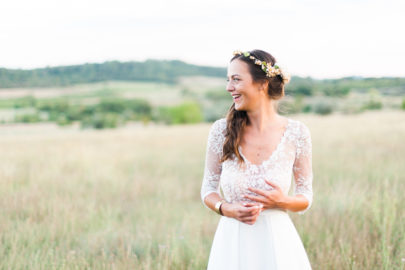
x=274, y=152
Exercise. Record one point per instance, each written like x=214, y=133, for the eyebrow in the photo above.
x=235, y=75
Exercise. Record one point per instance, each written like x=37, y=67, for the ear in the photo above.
x=263, y=86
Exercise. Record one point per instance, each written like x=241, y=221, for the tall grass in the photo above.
x=129, y=198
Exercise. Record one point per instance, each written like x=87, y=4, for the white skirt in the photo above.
x=271, y=243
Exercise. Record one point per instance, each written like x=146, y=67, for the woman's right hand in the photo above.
x=244, y=212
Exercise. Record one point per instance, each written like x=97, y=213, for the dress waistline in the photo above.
x=274, y=211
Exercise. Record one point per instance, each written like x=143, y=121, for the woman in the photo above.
x=252, y=155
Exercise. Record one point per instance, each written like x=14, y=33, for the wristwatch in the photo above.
x=218, y=207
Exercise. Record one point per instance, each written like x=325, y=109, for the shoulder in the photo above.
x=216, y=137
x=300, y=134
x=218, y=127
x=299, y=128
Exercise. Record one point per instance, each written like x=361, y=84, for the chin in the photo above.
x=239, y=107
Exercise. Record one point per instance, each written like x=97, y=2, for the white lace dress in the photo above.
x=272, y=242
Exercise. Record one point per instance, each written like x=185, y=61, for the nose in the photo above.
x=229, y=87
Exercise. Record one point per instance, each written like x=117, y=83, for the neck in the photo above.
x=264, y=116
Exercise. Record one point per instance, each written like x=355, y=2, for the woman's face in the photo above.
x=245, y=92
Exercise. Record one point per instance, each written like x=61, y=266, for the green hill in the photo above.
x=150, y=70
x=170, y=71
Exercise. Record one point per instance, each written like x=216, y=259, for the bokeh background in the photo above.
x=105, y=109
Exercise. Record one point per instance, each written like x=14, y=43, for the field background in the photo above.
x=129, y=198
x=112, y=94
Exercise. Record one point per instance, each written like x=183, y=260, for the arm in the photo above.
x=297, y=203
x=302, y=170
x=213, y=167
x=212, y=172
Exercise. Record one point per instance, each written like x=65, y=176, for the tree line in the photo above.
x=168, y=71
x=151, y=71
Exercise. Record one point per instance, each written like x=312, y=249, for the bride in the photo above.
x=251, y=155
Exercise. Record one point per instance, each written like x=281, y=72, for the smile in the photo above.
x=236, y=97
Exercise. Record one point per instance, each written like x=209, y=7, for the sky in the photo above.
x=321, y=39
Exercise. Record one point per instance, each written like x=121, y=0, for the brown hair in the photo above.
x=237, y=120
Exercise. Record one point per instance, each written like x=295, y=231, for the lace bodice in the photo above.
x=293, y=155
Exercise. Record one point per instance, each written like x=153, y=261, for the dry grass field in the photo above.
x=129, y=198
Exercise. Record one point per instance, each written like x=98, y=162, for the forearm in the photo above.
x=211, y=199
x=294, y=203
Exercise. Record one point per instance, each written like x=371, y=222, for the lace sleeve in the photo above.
x=213, y=167
x=302, y=168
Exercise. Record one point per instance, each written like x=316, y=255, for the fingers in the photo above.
x=249, y=211
x=248, y=204
x=256, y=198
x=249, y=220
x=264, y=193
x=272, y=184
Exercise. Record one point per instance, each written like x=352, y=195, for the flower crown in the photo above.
x=271, y=71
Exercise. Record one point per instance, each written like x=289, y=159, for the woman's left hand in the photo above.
x=269, y=198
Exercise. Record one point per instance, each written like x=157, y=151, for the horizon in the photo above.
x=153, y=59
